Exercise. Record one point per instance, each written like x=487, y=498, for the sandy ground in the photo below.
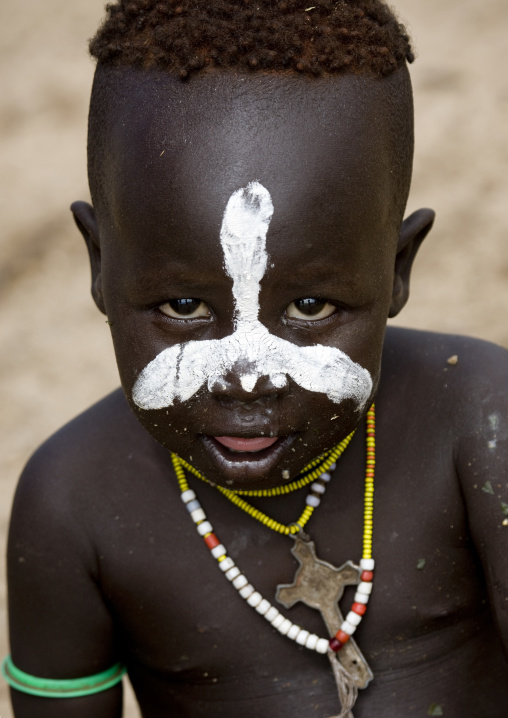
x=56, y=356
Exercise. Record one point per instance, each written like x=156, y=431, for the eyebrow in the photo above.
x=177, y=279
x=322, y=279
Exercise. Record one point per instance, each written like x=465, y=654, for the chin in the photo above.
x=246, y=469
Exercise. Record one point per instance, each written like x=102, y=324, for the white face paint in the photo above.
x=178, y=372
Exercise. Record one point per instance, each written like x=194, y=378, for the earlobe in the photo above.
x=413, y=231
x=86, y=222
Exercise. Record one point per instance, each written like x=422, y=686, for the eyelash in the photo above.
x=320, y=305
x=172, y=311
x=294, y=311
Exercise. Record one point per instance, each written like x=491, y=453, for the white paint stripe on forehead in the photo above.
x=243, y=239
x=180, y=371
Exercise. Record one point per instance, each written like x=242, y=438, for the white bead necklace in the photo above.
x=254, y=599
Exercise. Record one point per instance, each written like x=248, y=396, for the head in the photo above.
x=247, y=239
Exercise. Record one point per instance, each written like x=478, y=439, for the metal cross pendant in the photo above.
x=320, y=585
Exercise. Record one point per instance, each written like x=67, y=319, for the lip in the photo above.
x=246, y=467
x=242, y=445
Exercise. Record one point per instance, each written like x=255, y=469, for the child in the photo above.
x=247, y=247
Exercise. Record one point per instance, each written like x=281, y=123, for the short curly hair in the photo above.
x=186, y=36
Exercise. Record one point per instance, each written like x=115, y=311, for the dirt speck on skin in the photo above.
x=57, y=357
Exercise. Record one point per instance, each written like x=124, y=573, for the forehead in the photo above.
x=175, y=153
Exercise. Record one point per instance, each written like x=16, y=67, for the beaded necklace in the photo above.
x=240, y=582
x=316, y=471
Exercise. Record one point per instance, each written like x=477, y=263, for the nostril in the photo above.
x=272, y=384
x=219, y=387
x=247, y=386
x=239, y=387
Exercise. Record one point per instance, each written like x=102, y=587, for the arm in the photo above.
x=60, y=627
x=482, y=462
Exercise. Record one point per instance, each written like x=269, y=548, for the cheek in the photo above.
x=372, y=351
x=171, y=427
x=364, y=340
x=135, y=344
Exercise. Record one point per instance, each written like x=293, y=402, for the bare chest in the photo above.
x=184, y=623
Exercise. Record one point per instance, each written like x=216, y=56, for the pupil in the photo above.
x=185, y=306
x=310, y=306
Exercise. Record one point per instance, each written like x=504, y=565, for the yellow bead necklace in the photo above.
x=311, y=473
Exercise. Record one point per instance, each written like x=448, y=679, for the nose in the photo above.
x=247, y=387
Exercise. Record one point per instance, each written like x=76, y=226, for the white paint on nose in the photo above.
x=177, y=373
x=248, y=382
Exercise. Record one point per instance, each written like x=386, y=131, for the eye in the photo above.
x=185, y=309
x=310, y=309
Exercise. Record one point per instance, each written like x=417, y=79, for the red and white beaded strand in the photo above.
x=255, y=599
x=364, y=588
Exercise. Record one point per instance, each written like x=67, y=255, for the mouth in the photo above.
x=239, y=445
x=246, y=460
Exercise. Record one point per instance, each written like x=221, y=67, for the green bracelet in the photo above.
x=65, y=688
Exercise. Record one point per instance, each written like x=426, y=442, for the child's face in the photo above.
x=250, y=236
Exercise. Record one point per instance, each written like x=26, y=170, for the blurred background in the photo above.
x=56, y=356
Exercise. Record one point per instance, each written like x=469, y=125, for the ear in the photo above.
x=413, y=231
x=86, y=222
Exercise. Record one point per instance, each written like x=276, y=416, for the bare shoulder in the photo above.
x=86, y=448
x=73, y=475
x=454, y=392
x=446, y=398
x=432, y=347
x=450, y=372
x=95, y=428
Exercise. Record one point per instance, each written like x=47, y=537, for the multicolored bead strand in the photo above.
x=364, y=589
x=241, y=583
